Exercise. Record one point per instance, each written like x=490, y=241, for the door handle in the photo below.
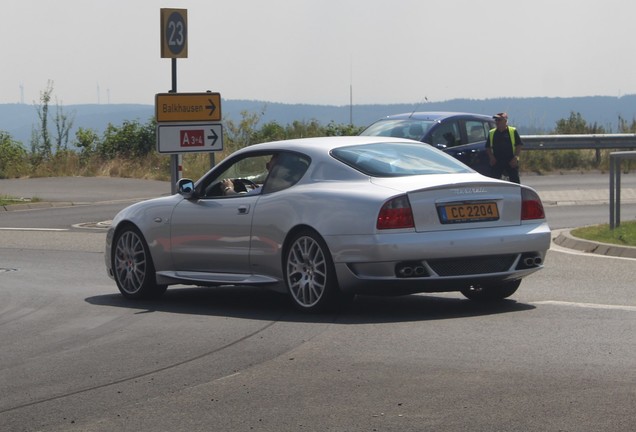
x=244, y=209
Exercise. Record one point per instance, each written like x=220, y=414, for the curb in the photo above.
x=55, y=204
x=567, y=240
x=36, y=205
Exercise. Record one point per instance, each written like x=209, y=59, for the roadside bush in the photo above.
x=14, y=161
x=334, y=129
x=87, y=141
x=153, y=166
x=568, y=159
x=132, y=139
x=129, y=150
x=60, y=164
x=536, y=161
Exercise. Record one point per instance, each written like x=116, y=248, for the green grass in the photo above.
x=8, y=200
x=624, y=234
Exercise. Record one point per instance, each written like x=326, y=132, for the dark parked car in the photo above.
x=462, y=135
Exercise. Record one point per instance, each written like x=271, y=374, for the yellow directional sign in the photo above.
x=188, y=107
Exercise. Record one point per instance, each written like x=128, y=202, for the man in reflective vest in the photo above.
x=503, y=147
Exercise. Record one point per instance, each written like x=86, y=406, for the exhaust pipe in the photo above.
x=530, y=261
x=408, y=269
x=405, y=271
x=419, y=271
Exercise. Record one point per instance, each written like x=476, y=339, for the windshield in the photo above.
x=405, y=128
x=398, y=160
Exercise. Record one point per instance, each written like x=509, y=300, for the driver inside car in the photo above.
x=228, y=185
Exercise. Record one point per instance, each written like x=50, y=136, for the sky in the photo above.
x=325, y=52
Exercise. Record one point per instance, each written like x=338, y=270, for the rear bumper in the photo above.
x=357, y=283
x=371, y=264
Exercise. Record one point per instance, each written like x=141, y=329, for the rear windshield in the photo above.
x=398, y=159
x=404, y=128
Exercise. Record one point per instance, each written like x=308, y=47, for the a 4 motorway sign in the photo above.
x=189, y=137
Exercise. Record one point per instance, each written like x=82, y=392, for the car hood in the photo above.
x=155, y=206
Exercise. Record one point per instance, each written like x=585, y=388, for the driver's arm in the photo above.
x=228, y=187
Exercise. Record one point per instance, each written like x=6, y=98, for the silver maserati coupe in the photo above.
x=324, y=219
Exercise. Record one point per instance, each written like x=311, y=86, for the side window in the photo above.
x=476, y=130
x=287, y=170
x=447, y=134
x=247, y=174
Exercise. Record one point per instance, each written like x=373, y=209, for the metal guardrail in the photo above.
x=597, y=142
x=615, y=185
x=575, y=142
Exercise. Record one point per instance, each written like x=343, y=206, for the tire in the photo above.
x=310, y=275
x=133, y=267
x=493, y=292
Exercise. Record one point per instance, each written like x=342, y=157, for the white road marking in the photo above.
x=33, y=229
x=587, y=305
x=227, y=376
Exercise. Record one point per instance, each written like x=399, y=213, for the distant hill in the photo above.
x=20, y=119
x=530, y=115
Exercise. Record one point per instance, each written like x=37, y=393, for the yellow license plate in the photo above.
x=468, y=212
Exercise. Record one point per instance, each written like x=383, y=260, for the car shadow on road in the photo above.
x=260, y=304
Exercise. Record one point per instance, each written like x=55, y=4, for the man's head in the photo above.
x=270, y=163
x=501, y=119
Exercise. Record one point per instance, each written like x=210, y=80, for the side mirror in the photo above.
x=185, y=187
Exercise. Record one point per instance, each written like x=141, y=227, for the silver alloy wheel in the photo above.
x=307, y=271
x=130, y=262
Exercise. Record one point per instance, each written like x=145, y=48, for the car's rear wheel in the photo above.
x=133, y=268
x=310, y=275
x=491, y=292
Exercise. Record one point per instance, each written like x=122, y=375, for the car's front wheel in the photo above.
x=493, y=292
x=309, y=273
x=133, y=267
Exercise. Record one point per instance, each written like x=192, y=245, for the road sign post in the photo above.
x=174, y=44
x=200, y=112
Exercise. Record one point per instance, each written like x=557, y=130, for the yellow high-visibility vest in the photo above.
x=511, y=131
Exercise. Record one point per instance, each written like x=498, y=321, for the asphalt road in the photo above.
x=76, y=356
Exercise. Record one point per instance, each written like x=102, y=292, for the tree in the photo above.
x=576, y=124
x=570, y=159
x=243, y=133
x=272, y=131
x=41, y=140
x=63, y=125
x=41, y=143
x=624, y=127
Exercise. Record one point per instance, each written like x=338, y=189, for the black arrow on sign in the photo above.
x=211, y=107
x=213, y=137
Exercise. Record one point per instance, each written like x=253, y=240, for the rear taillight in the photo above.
x=531, y=207
x=396, y=213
